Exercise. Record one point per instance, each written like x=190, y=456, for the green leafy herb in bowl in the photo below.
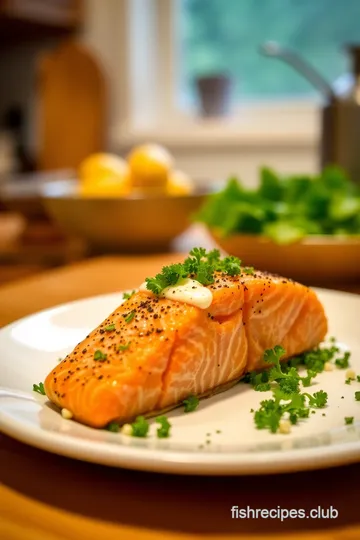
x=306, y=227
x=286, y=209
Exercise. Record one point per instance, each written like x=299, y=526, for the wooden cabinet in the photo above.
x=26, y=19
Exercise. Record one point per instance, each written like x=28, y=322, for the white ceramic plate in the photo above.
x=30, y=347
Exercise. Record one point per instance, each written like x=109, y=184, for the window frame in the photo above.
x=148, y=39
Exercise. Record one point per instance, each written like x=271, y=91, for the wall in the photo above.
x=243, y=162
x=104, y=24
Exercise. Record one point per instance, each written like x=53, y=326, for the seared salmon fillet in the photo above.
x=152, y=352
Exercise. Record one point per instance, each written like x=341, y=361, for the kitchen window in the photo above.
x=171, y=42
x=217, y=36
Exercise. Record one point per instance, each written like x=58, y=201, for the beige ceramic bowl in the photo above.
x=130, y=223
x=317, y=259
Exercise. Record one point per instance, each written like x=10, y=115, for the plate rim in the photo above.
x=175, y=462
x=172, y=461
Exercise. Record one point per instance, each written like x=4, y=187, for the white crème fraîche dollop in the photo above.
x=188, y=291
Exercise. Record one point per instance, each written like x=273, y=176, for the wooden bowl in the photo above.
x=315, y=259
x=131, y=223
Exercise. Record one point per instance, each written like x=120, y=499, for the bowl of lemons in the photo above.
x=140, y=203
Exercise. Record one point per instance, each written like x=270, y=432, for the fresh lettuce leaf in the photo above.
x=283, y=232
x=344, y=207
x=271, y=188
x=288, y=208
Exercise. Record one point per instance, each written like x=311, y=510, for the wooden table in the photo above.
x=48, y=497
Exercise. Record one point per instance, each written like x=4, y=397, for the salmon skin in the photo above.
x=151, y=353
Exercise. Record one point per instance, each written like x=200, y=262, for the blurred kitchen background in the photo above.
x=81, y=77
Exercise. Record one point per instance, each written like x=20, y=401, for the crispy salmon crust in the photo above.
x=155, y=352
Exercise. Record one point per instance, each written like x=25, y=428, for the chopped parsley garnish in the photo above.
x=230, y=265
x=289, y=385
x=358, y=378
x=248, y=270
x=316, y=359
x=164, y=430
x=109, y=328
x=191, y=404
x=129, y=317
x=268, y=415
x=343, y=363
x=127, y=296
x=121, y=348
x=39, y=388
x=113, y=427
x=306, y=381
x=288, y=377
x=259, y=381
x=262, y=387
x=200, y=265
x=357, y=395
x=271, y=411
x=318, y=399
x=284, y=381
x=272, y=356
x=170, y=275
x=140, y=427
x=349, y=420
x=99, y=355
x=348, y=380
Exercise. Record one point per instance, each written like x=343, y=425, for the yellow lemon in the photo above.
x=107, y=187
x=150, y=165
x=179, y=183
x=104, y=174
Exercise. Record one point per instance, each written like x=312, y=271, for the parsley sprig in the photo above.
x=129, y=316
x=343, y=363
x=164, y=430
x=140, y=427
x=109, y=328
x=100, y=356
x=113, y=427
x=127, y=296
x=318, y=399
x=191, y=403
x=39, y=388
x=200, y=265
x=284, y=382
